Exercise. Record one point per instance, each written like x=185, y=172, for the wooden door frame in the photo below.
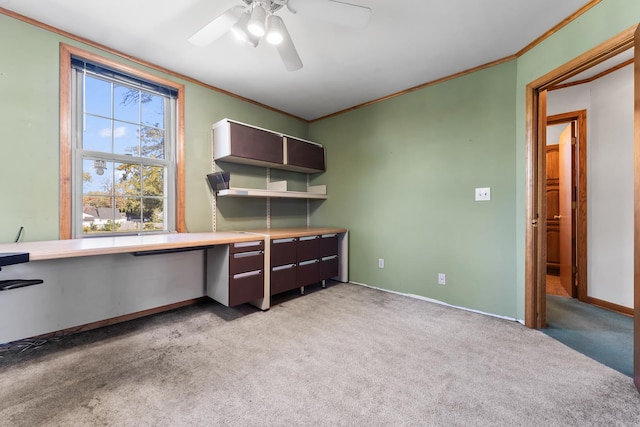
x=580, y=213
x=535, y=200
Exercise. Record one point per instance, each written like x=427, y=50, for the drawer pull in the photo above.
x=248, y=254
x=276, y=241
x=325, y=236
x=302, y=239
x=313, y=261
x=247, y=244
x=247, y=274
x=283, y=267
x=327, y=258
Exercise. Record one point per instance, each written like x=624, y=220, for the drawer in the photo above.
x=328, y=245
x=235, y=248
x=246, y=287
x=283, y=251
x=283, y=278
x=308, y=248
x=329, y=267
x=308, y=273
x=242, y=262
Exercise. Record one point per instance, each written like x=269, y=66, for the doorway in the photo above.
x=535, y=251
x=566, y=203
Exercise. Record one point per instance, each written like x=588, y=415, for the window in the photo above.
x=123, y=149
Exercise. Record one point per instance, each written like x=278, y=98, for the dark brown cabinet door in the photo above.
x=304, y=156
x=329, y=267
x=283, y=251
x=283, y=278
x=255, y=144
x=328, y=245
x=246, y=287
x=308, y=248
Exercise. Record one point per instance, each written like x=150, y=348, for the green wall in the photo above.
x=401, y=176
x=29, y=169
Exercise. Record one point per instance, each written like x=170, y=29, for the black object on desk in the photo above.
x=15, y=258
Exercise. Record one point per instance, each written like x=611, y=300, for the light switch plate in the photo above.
x=483, y=194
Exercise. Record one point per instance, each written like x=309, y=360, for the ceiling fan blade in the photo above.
x=216, y=28
x=337, y=12
x=288, y=52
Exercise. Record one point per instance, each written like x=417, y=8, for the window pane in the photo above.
x=130, y=208
x=97, y=96
x=97, y=134
x=97, y=178
x=97, y=214
x=153, y=213
x=126, y=104
x=128, y=179
x=152, y=110
x=126, y=138
x=152, y=142
x=152, y=180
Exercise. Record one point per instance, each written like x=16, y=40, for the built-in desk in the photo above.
x=89, y=281
x=94, y=281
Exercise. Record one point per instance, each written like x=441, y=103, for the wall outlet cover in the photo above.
x=483, y=194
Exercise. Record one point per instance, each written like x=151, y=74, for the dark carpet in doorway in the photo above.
x=601, y=334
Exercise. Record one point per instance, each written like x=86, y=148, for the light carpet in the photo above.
x=342, y=356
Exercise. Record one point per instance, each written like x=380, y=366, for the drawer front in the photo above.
x=329, y=267
x=283, y=251
x=329, y=245
x=246, y=287
x=308, y=273
x=283, y=279
x=308, y=248
x=255, y=144
x=235, y=248
x=245, y=261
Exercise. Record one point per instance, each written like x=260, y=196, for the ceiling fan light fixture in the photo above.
x=239, y=29
x=256, y=23
x=275, y=30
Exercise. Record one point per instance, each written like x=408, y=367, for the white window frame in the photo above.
x=78, y=154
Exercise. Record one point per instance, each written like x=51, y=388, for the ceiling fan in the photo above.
x=257, y=19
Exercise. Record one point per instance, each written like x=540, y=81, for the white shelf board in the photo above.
x=252, y=192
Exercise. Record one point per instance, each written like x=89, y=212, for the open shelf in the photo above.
x=252, y=192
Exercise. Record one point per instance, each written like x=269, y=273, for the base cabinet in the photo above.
x=239, y=273
x=302, y=261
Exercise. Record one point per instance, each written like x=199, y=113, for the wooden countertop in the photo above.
x=285, y=233
x=54, y=249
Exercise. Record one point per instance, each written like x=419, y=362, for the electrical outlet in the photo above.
x=483, y=194
x=442, y=279
x=381, y=263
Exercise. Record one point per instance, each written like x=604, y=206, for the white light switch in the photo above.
x=483, y=194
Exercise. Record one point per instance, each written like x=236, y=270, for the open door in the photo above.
x=566, y=186
x=636, y=214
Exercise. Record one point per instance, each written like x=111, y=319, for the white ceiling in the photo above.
x=407, y=43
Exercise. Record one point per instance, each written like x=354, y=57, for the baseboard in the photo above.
x=435, y=301
x=611, y=306
x=114, y=320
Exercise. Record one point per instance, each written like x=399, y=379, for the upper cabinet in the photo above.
x=241, y=143
x=303, y=156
